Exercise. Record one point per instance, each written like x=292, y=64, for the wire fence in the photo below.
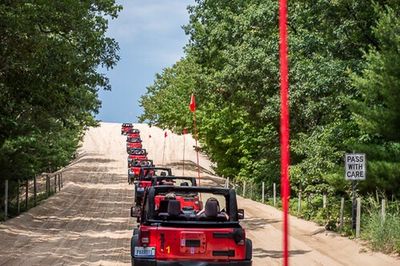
x=21, y=195
x=345, y=213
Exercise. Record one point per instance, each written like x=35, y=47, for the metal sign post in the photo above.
x=353, y=205
x=355, y=170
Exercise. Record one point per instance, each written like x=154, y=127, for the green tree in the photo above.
x=50, y=53
x=166, y=102
x=234, y=45
x=377, y=109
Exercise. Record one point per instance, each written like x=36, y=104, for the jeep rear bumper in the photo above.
x=153, y=262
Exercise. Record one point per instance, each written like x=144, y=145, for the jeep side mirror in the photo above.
x=240, y=214
x=134, y=212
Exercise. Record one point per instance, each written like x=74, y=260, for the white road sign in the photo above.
x=356, y=164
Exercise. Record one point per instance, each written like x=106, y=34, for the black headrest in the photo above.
x=211, y=208
x=174, y=207
x=184, y=184
x=163, y=206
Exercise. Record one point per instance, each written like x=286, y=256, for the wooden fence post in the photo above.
x=47, y=185
x=324, y=201
x=274, y=193
x=358, y=222
x=341, y=214
x=299, y=203
x=59, y=182
x=226, y=185
x=55, y=183
x=26, y=194
x=383, y=211
x=5, y=199
x=18, y=203
x=34, y=191
x=62, y=180
x=262, y=192
x=244, y=189
x=251, y=190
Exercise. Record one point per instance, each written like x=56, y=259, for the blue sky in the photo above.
x=151, y=38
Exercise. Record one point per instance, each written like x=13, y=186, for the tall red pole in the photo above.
x=197, y=149
x=192, y=108
x=284, y=128
x=163, y=153
x=184, y=147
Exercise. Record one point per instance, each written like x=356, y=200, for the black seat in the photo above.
x=212, y=212
x=163, y=209
x=174, y=208
x=184, y=184
x=163, y=206
x=211, y=209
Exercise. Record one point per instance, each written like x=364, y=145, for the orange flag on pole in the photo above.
x=192, y=105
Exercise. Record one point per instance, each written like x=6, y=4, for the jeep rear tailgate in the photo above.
x=201, y=244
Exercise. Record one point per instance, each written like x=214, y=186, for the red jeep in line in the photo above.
x=172, y=236
x=135, y=153
x=189, y=202
x=144, y=180
x=133, y=133
x=125, y=128
x=133, y=143
x=134, y=167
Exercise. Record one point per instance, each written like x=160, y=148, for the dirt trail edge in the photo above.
x=88, y=222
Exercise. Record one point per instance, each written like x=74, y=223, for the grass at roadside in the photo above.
x=382, y=234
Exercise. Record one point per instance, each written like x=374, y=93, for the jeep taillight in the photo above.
x=145, y=237
x=239, y=236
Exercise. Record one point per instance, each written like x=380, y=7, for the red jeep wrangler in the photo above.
x=133, y=133
x=134, y=167
x=144, y=180
x=125, y=128
x=133, y=143
x=172, y=236
x=189, y=202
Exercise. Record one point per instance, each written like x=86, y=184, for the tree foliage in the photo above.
x=234, y=63
x=377, y=109
x=50, y=52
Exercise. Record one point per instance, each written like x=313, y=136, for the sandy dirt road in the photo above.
x=88, y=222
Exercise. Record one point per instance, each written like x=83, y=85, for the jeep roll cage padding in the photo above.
x=133, y=140
x=140, y=163
x=137, y=151
x=156, y=179
x=149, y=205
x=133, y=131
x=149, y=168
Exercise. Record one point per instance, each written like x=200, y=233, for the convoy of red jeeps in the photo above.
x=180, y=223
